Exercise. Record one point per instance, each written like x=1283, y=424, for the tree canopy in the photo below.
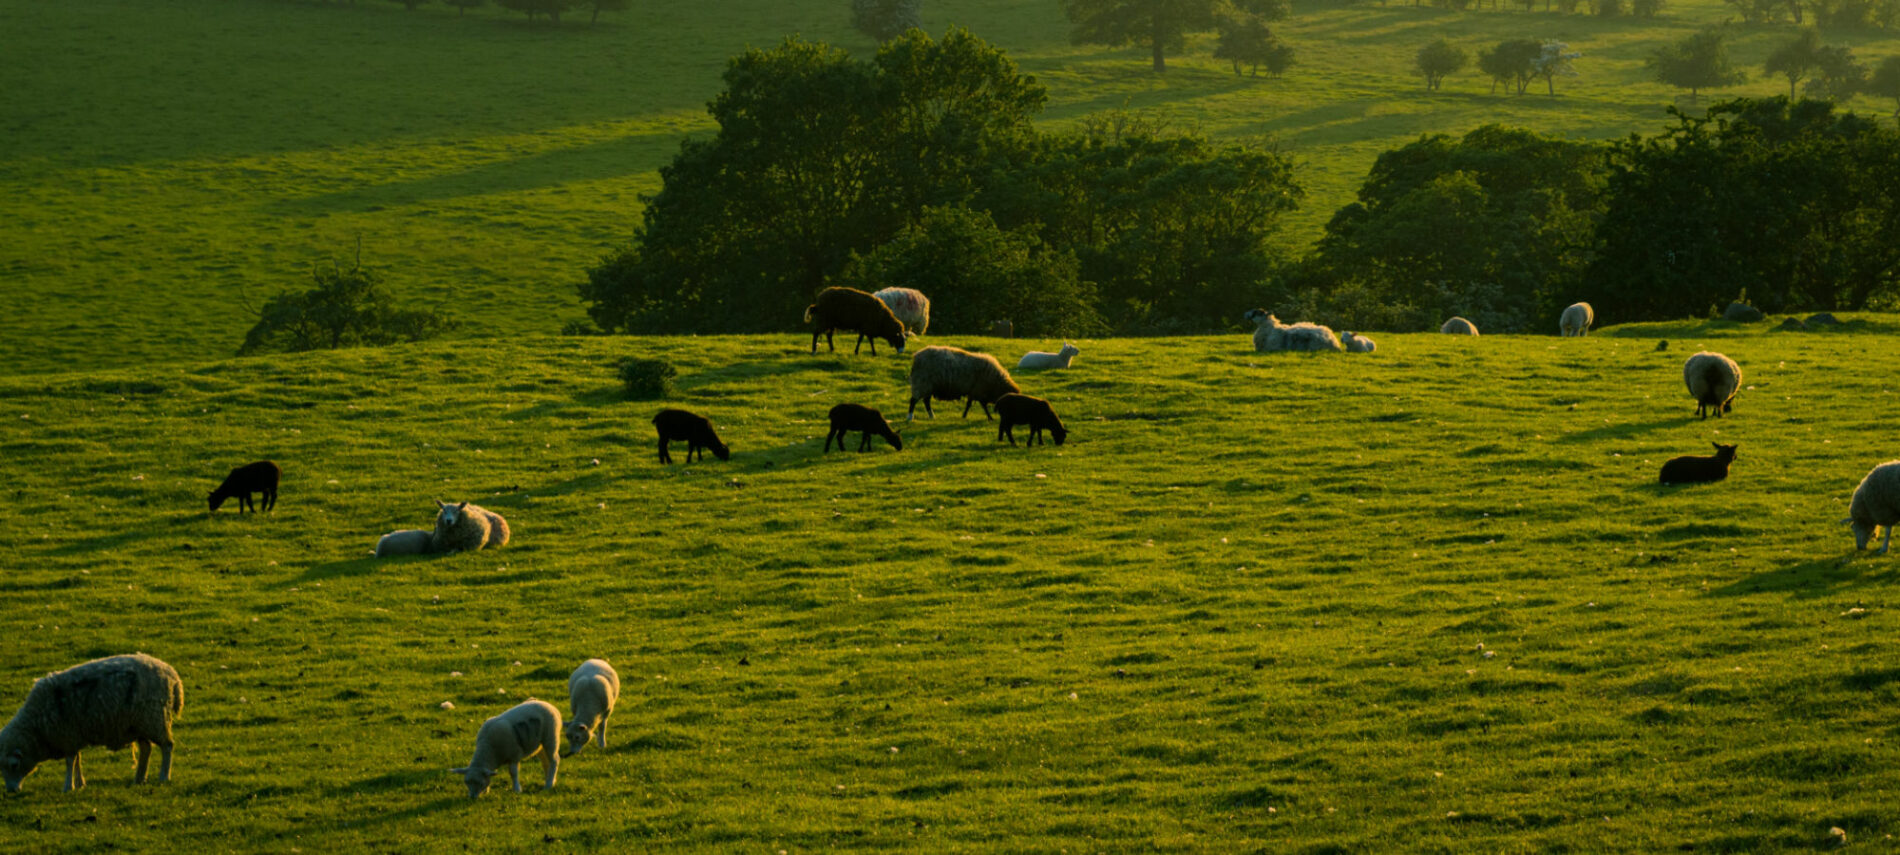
x=1159, y=25
x=1699, y=61
x=1440, y=59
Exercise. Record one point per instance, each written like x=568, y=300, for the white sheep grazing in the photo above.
x=1577, y=319
x=1459, y=326
x=1043, y=359
x=592, y=690
x=408, y=541
x=1876, y=504
x=113, y=702
x=465, y=528
x=528, y=729
x=1356, y=343
x=909, y=305
x=1271, y=335
x=1712, y=380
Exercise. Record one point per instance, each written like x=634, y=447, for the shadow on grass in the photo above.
x=1809, y=579
x=419, y=810
x=353, y=567
x=1625, y=431
x=410, y=780
x=123, y=538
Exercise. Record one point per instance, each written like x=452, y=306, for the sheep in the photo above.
x=408, y=541
x=1002, y=329
x=1459, y=326
x=694, y=430
x=529, y=728
x=1822, y=319
x=949, y=373
x=1742, y=313
x=910, y=306
x=1271, y=335
x=1356, y=343
x=851, y=309
x=1577, y=319
x=1038, y=359
x=1712, y=380
x=849, y=417
x=260, y=477
x=1876, y=504
x=592, y=690
x=1019, y=409
x=113, y=702
x=1699, y=470
x=464, y=527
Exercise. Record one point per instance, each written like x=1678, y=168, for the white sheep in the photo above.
x=113, y=702
x=465, y=528
x=1271, y=335
x=909, y=305
x=1576, y=320
x=1356, y=343
x=1043, y=359
x=1876, y=504
x=1459, y=326
x=1712, y=380
x=407, y=541
x=528, y=729
x=592, y=691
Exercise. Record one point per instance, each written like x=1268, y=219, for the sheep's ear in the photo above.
x=461, y=506
x=1847, y=520
x=461, y=770
x=439, y=504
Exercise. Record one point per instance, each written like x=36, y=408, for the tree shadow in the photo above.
x=1807, y=580
x=1626, y=431
x=352, y=567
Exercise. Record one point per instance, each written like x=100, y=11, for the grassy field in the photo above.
x=1428, y=599
x=162, y=166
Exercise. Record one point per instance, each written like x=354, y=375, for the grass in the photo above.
x=164, y=166
x=1241, y=609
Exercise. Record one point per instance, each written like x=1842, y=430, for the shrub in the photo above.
x=347, y=309
x=647, y=379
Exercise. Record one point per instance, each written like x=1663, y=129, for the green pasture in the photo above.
x=1427, y=599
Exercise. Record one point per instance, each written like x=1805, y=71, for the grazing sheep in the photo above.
x=1662, y=345
x=1712, y=380
x=1459, y=326
x=849, y=417
x=1577, y=319
x=1793, y=324
x=1356, y=343
x=1002, y=329
x=1038, y=359
x=856, y=311
x=408, y=541
x=1019, y=409
x=260, y=477
x=1699, y=470
x=465, y=528
x=1271, y=335
x=592, y=690
x=1822, y=319
x=910, y=306
x=1876, y=504
x=113, y=702
x=530, y=728
x=694, y=430
x=949, y=373
x=1742, y=313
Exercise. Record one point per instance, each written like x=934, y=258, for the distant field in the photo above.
x=161, y=165
x=1423, y=600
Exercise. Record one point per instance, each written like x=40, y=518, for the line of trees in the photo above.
x=550, y=9
x=1244, y=33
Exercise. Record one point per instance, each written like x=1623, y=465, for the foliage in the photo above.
x=1699, y=61
x=1858, y=14
x=1512, y=62
x=647, y=379
x=1279, y=59
x=886, y=19
x=1759, y=11
x=1795, y=59
x=1837, y=75
x=1439, y=59
x=1554, y=59
x=347, y=308
x=1646, y=8
x=462, y=6
x=1885, y=82
x=1159, y=25
x=532, y=8
x=599, y=6
x=1245, y=39
x=410, y=4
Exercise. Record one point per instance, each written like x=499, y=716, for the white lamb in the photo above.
x=1043, y=359
x=408, y=541
x=1577, y=319
x=1876, y=504
x=1271, y=335
x=1356, y=343
x=113, y=702
x=530, y=728
x=592, y=690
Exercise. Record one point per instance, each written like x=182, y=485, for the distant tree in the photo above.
x=1270, y=10
x=1837, y=75
x=1646, y=8
x=1245, y=39
x=1438, y=59
x=1512, y=61
x=1885, y=82
x=532, y=8
x=599, y=6
x=1759, y=11
x=1553, y=61
x=1796, y=59
x=886, y=19
x=410, y=4
x=462, y=6
x=1279, y=58
x=1700, y=61
x=348, y=308
x=1608, y=8
x=1160, y=25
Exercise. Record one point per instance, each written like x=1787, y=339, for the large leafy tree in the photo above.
x=886, y=19
x=347, y=308
x=1554, y=59
x=1795, y=59
x=1159, y=25
x=1439, y=59
x=1699, y=61
x=1245, y=39
x=1837, y=74
x=1885, y=82
x=1512, y=62
x=532, y=8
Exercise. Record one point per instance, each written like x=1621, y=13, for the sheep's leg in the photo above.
x=828, y=436
x=864, y=442
x=966, y=407
x=600, y=738
x=828, y=344
x=814, y=341
x=514, y=774
x=165, y=763
x=551, y=764
x=270, y=500
x=986, y=410
x=145, y=753
x=75, y=777
x=1885, y=541
x=854, y=348
x=664, y=457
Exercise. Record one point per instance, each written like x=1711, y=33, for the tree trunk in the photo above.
x=596, y=19
x=1161, y=64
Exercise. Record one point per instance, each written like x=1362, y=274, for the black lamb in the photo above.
x=260, y=477
x=1019, y=409
x=849, y=417
x=856, y=311
x=1699, y=470
x=695, y=431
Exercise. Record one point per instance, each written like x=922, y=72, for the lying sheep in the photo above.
x=1741, y=312
x=530, y=728
x=592, y=691
x=1038, y=359
x=113, y=702
x=1459, y=326
x=855, y=311
x=1356, y=343
x=1019, y=409
x=1712, y=380
x=408, y=541
x=694, y=430
x=1699, y=470
x=260, y=477
x=1576, y=320
x=910, y=306
x=1271, y=335
x=465, y=528
x=849, y=417
x=1002, y=329
x=1876, y=504
x=949, y=373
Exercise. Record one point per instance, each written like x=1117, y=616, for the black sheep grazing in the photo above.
x=856, y=311
x=260, y=477
x=1699, y=470
x=693, y=430
x=1018, y=409
x=849, y=417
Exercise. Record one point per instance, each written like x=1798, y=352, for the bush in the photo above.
x=1609, y=8
x=1646, y=8
x=347, y=309
x=647, y=379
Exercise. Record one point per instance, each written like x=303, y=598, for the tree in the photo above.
x=1553, y=61
x=348, y=308
x=1759, y=11
x=1511, y=61
x=1437, y=60
x=550, y=8
x=410, y=4
x=1700, y=61
x=1646, y=8
x=1885, y=82
x=1279, y=58
x=1795, y=59
x=1244, y=39
x=462, y=6
x=599, y=6
x=1161, y=25
x=1837, y=75
x=886, y=19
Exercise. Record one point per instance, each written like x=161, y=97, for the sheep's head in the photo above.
x=1862, y=533
x=15, y=767
x=1724, y=452
x=720, y=450
x=1069, y=349
x=449, y=516
x=897, y=341
x=897, y=442
x=1058, y=433
x=575, y=734
x=477, y=779
x=217, y=500
x=1256, y=315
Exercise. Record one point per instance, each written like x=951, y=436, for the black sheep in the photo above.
x=1699, y=470
x=260, y=477
x=850, y=417
x=693, y=430
x=857, y=311
x=1019, y=409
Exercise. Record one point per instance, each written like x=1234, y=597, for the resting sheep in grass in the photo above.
x=1459, y=326
x=949, y=373
x=260, y=477
x=464, y=527
x=1577, y=319
x=1271, y=335
x=1699, y=470
x=1356, y=343
x=408, y=541
x=855, y=311
x=1712, y=380
x=592, y=691
x=910, y=306
x=113, y=702
x=694, y=430
x=1038, y=359
x=530, y=728
x=1019, y=409
x=1876, y=504
x=849, y=417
